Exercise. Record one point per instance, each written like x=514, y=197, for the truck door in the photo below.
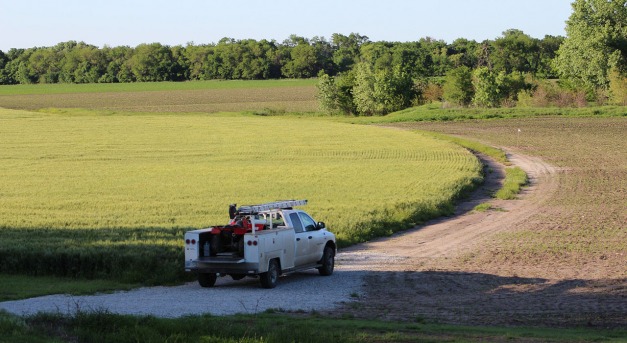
x=316, y=238
x=302, y=241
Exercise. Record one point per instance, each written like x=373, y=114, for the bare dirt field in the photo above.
x=290, y=99
x=554, y=257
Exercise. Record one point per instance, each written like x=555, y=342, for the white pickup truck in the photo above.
x=263, y=241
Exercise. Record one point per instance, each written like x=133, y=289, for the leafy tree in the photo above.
x=152, y=62
x=196, y=56
x=4, y=77
x=438, y=52
x=548, y=48
x=346, y=50
x=378, y=92
x=303, y=62
x=179, y=70
x=118, y=69
x=463, y=52
x=458, y=88
x=335, y=93
x=486, y=87
x=596, y=41
x=411, y=58
x=515, y=52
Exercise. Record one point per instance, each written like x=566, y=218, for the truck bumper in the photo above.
x=201, y=266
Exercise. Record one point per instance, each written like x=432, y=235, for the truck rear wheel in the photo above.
x=207, y=279
x=328, y=262
x=269, y=278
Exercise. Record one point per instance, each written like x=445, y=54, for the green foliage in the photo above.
x=458, y=88
x=487, y=90
x=302, y=63
x=597, y=41
x=494, y=89
x=249, y=59
x=515, y=52
x=346, y=50
x=618, y=87
x=366, y=91
x=335, y=94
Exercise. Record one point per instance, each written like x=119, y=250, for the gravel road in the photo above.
x=300, y=291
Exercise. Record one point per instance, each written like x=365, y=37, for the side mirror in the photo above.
x=320, y=226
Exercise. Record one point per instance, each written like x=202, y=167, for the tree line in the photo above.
x=248, y=59
x=359, y=76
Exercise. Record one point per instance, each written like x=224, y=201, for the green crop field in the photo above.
x=110, y=196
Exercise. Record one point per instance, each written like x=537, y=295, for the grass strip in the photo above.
x=515, y=179
x=16, y=287
x=105, y=327
x=435, y=112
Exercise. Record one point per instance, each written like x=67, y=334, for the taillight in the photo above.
x=251, y=243
x=193, y=241
x=187, y=241
x=255, y=243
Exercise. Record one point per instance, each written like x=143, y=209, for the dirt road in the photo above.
x=422, y=274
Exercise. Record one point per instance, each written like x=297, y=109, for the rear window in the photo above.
x=298, y=226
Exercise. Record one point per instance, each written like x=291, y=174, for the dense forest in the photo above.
x=295, y=57
x=364, y=77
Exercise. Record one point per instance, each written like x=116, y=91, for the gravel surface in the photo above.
x=300, y=291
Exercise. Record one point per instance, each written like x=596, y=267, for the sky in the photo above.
x=30, y=23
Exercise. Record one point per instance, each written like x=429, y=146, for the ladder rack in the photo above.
x=277, y=205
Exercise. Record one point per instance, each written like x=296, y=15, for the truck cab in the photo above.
x=263, y=241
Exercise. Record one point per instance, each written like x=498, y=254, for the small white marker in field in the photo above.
x=518, y=138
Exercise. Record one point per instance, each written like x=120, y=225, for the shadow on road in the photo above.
x=484, y=299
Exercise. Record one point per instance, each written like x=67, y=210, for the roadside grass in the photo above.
x=581, y=231
x=483, y=207
x=110, y=196
x=105, y=327
x=16, y=287
x=515, y=179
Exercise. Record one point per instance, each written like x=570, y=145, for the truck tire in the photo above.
x=207, y=279
x=269, y=278
x=328, y=262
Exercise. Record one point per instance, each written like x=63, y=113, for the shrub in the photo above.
x=618, y=88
